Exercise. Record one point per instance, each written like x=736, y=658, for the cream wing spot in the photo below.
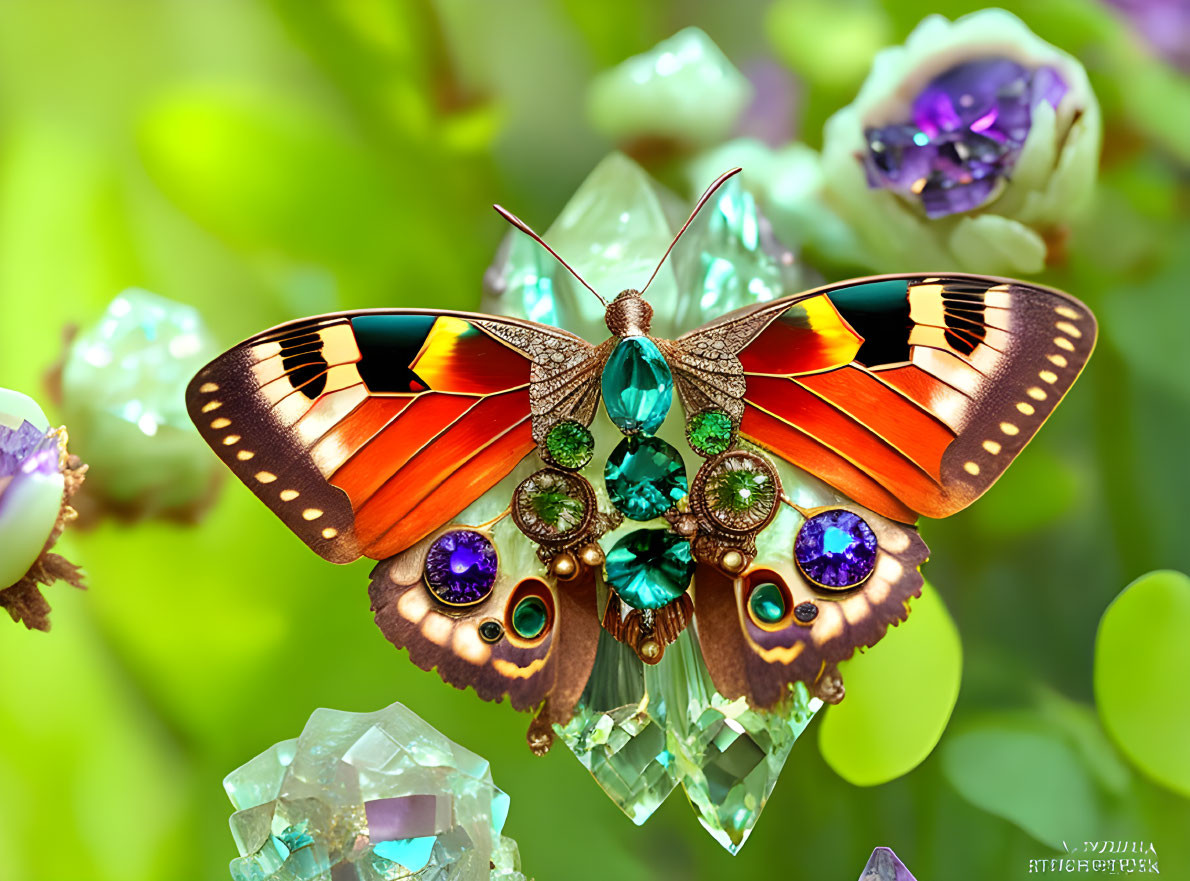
x=1048, y=376
x=245, y=455
x=1037, y=393
x=437, y=628
x=208, y=388
x=1069, y=329
x=991, y=446
x=1062, y=343
x=211, y=405
x=329, y=533
x=221, y=422
x=1066, y=312
x=311, y=514
x=413, y=605
x=231, y=440
x=971, y=468
x=1026, y=408
x=265, y=476
x=288, y=495
x=1009, y=429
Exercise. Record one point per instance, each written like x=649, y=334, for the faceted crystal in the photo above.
x=637, y=385
x=968, y=127
x=641, y=730
x=569, y=445
x=649, y=568
x=884, y=865
x=461, y=567
x=365, y=797
x=645, y=477
x=835, y=549
x=709, y=432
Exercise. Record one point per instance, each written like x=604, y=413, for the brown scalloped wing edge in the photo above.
x=746, y=661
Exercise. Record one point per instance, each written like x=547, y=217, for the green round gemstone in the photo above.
x=645, y=477
x=741, y=491
x=569, y=445
x=557, y=509
x=529, y=617
x=709, y=432
x=767, y=602
x=649, y=568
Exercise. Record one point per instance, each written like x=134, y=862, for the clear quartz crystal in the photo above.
x=642, y=730
x=369, y=797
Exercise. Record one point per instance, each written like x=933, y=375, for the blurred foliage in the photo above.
x=266, y=159
x=900, y=694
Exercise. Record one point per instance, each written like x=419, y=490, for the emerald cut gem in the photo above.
x=529, y=617
x=650, y=568
x=709, y=432
x=569, y=445
x=637, y=385
x=767, y=602
x=641, y=730
x=645, y=477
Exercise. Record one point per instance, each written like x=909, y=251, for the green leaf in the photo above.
x=899, y=698
x=1021, y=769
x=1142, y=665
x=1033, y=494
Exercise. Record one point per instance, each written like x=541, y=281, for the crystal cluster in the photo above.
x=642, y=730
x=122, y=387
x=968, y=127
x=369, y=797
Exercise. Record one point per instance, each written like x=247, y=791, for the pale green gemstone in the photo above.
x=123, y=395
x=641, y=730
x=683, y=88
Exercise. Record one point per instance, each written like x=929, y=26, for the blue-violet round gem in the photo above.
x=645, y=477
x=966, y=131
x=835, y=549
x=461, y=567
x=650, y=568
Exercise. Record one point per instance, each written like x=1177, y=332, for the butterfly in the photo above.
x=471, y=455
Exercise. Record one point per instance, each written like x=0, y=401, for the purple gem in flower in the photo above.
x=835, y=549
x=968, y=127
x=461, y=567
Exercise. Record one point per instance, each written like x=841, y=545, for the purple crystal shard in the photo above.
x=461, y=567
x=17, y=444
x=835, y=549
x=967, y=129
x=884, y=865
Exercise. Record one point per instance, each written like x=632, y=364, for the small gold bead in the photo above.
x=650, y=650
x=564, y=565
x=732, y=561
x=591, y=555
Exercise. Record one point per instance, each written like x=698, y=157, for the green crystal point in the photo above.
x=637, y=385
x=642, y=730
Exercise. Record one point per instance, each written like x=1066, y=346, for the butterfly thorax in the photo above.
x=629, y=314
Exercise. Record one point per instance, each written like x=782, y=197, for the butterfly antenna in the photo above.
x=719, y=181
x=527, y=230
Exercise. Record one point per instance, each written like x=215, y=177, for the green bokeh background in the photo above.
x=266, y=160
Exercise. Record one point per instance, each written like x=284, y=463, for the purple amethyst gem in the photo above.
x=884, y=865
x=461, y=567
x=967, y=129
x=835, y=549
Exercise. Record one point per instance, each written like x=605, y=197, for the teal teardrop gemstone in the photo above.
x=650, y=568
x=767, y=602
x=638, y=387
x=645, y=477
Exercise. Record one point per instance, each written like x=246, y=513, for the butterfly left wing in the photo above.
x=494, y=645
x=365, y=431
